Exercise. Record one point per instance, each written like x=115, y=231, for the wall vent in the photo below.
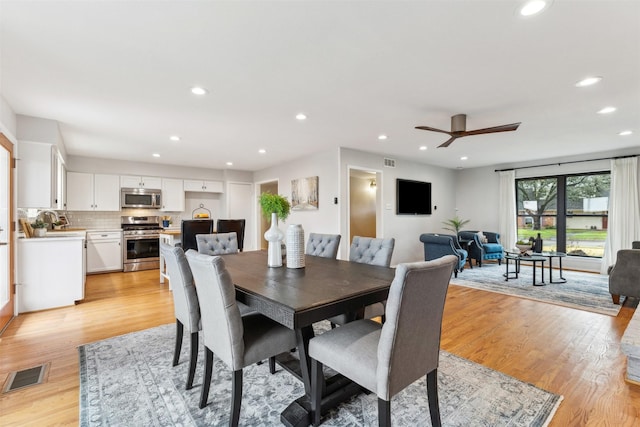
x=389, y=163
x=25, y=378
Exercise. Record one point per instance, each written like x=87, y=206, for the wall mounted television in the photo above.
x=413, y=197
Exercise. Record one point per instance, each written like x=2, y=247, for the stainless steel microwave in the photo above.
x=144, y=198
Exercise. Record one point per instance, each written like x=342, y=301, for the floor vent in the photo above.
x=26, y=377
x=389, y=163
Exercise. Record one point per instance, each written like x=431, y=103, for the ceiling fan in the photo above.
x=459, y=124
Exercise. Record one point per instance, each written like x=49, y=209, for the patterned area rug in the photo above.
x=129, y=381
x=584, y=291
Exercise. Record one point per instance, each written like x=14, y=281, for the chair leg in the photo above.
x=236, y=399
x=616, y=299
x=499, y=261
x=455, y=273
x=206, y=379
x=317, y=381
x=194, y=359
x=384, y=413
x=176, y=352
x=272, y=365
x=432, y=395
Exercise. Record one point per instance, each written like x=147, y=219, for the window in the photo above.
x=569, y=211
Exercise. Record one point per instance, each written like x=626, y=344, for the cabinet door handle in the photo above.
x=3, y=243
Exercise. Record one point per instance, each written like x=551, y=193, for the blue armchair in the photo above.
x=478, y=250
x=439, y=245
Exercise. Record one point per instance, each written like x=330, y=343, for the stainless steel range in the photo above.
x=141, y=249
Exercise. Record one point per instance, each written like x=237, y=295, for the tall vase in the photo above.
x=295, y=246
x=273, y=235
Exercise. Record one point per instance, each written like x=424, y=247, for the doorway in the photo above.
x=265, y=187
x=6, y=234
x=364, y=203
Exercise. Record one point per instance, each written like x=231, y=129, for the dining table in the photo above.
x=299, y=297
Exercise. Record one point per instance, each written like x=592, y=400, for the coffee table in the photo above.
x=551, y=256
x=517, y=258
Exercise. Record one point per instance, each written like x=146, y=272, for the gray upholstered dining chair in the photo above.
x=374, y=251
x=237, y=340
x=387, y=358
x=185, y=304
x=323, y=245
x=217, y=243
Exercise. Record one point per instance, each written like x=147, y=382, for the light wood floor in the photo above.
x=570, y=352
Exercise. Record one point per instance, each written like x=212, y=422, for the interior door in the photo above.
x=6, y=235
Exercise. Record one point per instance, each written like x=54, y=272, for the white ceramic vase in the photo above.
x=274, y=236
x=295, y=246
x=39, y=232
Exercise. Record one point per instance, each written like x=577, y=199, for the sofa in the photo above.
x=624, y=275
x=480, y=250
x=439, y=245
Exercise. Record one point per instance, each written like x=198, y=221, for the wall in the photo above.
x=478, y=191
x=324, y=165
x=404, y=228
x=8, y=124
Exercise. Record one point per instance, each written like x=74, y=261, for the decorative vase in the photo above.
x=295, y=246
x=39, y=232
x=274, y=236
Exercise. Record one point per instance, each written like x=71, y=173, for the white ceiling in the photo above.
x=117, y=76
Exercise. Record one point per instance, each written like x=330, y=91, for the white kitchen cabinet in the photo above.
x=40, y=181
x=203, y=186
x=152, y=182
x=104, y=251
x=50, y=272
x=93, y=192
x=172, y=195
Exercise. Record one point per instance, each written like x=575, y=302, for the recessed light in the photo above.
x=262, y=151
x=156, y=155
x=463, y=158
x=423, y=148
x=588, y=81
x=625, y=133
x=175, y=138
x=382, y=137
x=229, y=163
x=197, y=90
x=301, y=116
x=533, y=7
x=607, y=110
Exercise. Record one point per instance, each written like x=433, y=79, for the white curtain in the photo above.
x=508, y=227
x=624, y=210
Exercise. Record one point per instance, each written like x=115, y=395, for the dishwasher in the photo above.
x=104, y=251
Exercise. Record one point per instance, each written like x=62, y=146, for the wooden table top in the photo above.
x=300, y=297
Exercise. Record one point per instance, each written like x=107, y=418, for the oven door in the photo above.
x=141, y=252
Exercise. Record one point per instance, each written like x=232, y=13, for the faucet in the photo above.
x=48, y=216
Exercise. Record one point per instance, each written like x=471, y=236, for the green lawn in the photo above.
x=572, y=234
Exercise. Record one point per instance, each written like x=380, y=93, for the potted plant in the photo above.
x=455, y=224
x=39, y=228
x=523, y=246
x=58, y=225
x=277, y=207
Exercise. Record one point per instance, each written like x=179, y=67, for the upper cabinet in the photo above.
x=172, y=195
x=40, y=176
x=93, y=192
x=203, y=186
x=140, y=182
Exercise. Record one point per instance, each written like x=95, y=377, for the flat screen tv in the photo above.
x=413, y=197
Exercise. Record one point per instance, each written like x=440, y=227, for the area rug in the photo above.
x=129, y=381
x=584, y=291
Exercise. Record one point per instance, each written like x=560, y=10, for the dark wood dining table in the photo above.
x=297, y=298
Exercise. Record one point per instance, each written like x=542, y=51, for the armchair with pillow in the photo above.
x=480, y=248
x=439, y=245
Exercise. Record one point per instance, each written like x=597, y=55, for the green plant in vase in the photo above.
x=455, y=224
x=276, y=207
x=39, y=227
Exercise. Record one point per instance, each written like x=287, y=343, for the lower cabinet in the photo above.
x=104, y=251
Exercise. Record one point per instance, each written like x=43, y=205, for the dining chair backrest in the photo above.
x=323, y=245
x=221, y=321
x=192, y=227
x=185, y=296
x=217, y=243
x=229, y=225
x=414, y=309
x=369, y=250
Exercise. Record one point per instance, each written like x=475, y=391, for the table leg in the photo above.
x=534, y=273
x=562, y=279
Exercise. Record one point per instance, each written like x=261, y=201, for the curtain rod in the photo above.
x=566, y=163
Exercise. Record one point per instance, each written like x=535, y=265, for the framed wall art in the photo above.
x=304, y=194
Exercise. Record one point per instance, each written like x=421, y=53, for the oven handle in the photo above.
x=148, y=237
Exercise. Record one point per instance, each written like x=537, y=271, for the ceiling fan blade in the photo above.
x=448, y=142
x=503, y=128
x=433, y=129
